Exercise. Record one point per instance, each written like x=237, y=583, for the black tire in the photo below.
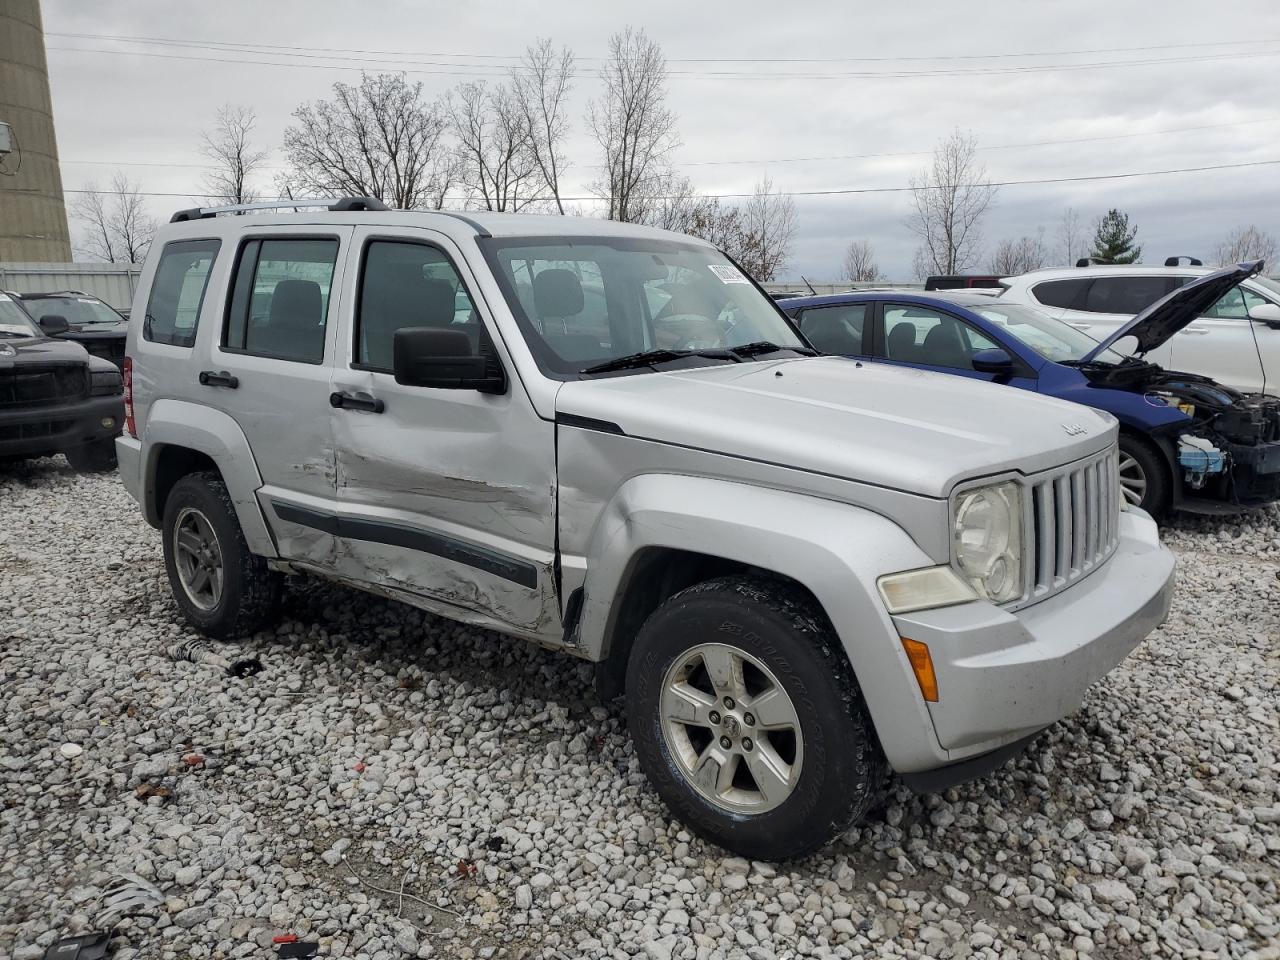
x=843, y=770
x=1156, y=499
x=97, y=456
x=250, y=593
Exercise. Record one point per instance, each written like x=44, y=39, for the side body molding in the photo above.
x=213, y=433
x=834, y=549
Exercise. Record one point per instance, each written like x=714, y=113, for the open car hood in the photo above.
x=1160, y=321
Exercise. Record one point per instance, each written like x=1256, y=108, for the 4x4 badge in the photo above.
x=1074, y=429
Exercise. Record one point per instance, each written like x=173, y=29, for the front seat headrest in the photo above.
x=557, y=294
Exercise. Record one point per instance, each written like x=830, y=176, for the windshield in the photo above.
x=79, y=311
x=1052, y=339
x=585, y=301
x=14, y=320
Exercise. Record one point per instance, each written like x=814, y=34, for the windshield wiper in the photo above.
x=757, y=347
x=647, y=358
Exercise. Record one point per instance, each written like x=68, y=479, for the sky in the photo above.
x=761, y=89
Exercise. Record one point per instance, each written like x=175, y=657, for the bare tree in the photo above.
x=769, y=225
x=379, y=139
x=494, y=148
x=1245, y=243
x=1072, y=244
x=950, y=198
x=118, y=228
x=234, y=157
x=631, y=123
x=541, y=83
x=1026, y=253
x=860, y=263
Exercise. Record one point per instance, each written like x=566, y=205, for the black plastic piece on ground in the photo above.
x=246, y=667
x=935, y=781
x=90, y=946
x=300, y=949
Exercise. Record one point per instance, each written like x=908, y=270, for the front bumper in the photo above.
x=43, y=430
x=1004, y=676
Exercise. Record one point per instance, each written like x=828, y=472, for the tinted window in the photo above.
x=836, y=329
x=280, y=299
x=408, y=285
x=1068, y=294
x=1127, y=295
x=1235, y=305
x=920, y=335
x=177, y=291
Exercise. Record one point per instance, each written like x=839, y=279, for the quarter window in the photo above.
x=280, y=299
x=1067, y=294
x=408, y=285
x=177, y=291
x=835, y=329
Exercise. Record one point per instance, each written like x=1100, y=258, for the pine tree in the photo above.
x=1113, y=240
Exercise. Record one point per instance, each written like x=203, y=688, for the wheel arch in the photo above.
x=183, y=438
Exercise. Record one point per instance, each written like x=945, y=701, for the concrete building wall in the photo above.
x=33, y=215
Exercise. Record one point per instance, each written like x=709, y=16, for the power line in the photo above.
x=513, y=57
x=850, y=156
x=998, y=146
x=414, y=66
x=850, y=191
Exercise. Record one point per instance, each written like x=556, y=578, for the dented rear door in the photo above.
x=446, y=495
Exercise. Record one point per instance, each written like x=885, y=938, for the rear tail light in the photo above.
x=129, y=425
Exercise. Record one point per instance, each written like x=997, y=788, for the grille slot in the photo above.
x=1074, y=523
x=28, y=386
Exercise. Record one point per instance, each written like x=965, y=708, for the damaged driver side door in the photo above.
x=446, y=497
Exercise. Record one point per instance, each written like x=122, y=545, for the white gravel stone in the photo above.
x=486, y=776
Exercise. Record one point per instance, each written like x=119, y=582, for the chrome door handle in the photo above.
x=347, y=401
x=1192, y=331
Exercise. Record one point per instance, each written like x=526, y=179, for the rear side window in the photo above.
x=1067, y=294
x=408, y=285
x=836, y=329
x=1127, y=295
x=280, y=298
x=177, y=291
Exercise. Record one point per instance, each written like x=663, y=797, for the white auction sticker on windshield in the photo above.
x=727, y=273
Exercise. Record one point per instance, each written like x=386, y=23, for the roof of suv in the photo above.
x=1106, y=270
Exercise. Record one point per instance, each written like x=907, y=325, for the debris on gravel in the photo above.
x=396, y=785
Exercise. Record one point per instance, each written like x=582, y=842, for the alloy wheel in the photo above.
x=198, y=558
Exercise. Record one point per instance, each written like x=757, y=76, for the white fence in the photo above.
x=112, y=282
x=823, y=289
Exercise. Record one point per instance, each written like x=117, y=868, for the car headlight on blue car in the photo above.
x=986, y=540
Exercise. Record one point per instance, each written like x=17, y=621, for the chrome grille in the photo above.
x=1074, y=523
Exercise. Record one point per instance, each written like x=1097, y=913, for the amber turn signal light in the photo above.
x=922, y=667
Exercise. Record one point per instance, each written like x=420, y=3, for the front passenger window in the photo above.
x=408, y=285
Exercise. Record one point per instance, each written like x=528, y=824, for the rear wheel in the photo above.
x=97, y=456
x=746, y=718
x=222, y=588
x=1145, y=478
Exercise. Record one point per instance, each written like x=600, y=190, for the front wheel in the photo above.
x=222, y=588
x=97, y=456
x=747, y=720
x=1144, y=475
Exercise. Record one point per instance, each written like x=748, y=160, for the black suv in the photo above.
x=88, y=321
x=54, y=396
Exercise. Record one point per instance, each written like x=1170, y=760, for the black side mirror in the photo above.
x=54, y=324
x=995, y=362
x=443, y=359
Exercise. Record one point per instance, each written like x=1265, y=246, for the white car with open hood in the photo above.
x=800, y=571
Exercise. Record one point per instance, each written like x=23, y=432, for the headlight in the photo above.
x=923, y=589
x=986, y=538
x=105, y=383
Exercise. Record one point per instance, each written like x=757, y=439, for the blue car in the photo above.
x=1186, y=442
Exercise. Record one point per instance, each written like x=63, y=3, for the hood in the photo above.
x=1160, y=321
x=911, y=430
x=20, y=350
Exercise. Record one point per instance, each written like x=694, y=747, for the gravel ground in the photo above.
x=480, y=783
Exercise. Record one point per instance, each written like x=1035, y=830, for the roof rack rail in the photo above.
x=339, y=205
x=1177, y=261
